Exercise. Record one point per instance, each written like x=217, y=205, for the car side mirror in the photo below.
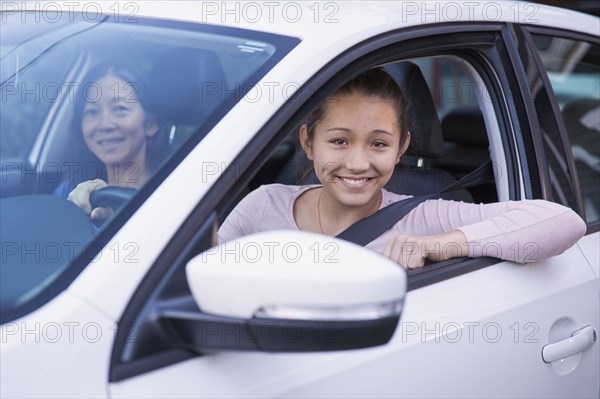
x=290, y=291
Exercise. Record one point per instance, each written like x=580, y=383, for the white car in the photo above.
x=146, y=306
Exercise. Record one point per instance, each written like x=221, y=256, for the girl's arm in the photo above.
x=519, y=231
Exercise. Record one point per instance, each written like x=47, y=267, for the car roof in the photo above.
x=345, y=18
x=320, y=20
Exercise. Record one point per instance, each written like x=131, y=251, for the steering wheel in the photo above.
x=111, y=197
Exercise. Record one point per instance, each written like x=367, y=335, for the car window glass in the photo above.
x=573, y=68
x=103, y=100
x=27, y=99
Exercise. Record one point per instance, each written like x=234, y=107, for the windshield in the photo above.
x=107, y=101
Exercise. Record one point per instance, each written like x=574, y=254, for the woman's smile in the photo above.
x=111, y=144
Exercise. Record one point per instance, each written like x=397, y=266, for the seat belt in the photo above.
x=366, y=230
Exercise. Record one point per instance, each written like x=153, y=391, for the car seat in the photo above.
x=466, y=142
x=185, y=81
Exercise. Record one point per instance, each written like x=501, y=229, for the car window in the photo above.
x=573, y=67
x=25, y=112
x=74, y=109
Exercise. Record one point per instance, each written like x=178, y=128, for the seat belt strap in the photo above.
x=366, y=230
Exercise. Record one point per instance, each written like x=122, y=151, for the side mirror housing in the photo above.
x=290, y=291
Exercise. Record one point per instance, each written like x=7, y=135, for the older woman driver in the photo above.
x=355, y=138
x=117, y=133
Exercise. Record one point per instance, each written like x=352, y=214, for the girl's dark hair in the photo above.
x=89, y=166
x=373, y=83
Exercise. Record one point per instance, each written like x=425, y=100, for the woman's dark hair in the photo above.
x=373, y=83
x=90, y=167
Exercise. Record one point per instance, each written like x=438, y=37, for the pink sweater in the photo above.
x=520, y=231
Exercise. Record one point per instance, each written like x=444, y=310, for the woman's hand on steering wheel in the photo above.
x=99, y=200
x=80, y=196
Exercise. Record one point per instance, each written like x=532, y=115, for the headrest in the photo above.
x=465, y=127
x=422, y=118
x=189, y=84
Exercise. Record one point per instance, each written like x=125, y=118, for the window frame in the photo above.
x=527, y=31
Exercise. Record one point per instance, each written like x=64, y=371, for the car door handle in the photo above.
x=578, y=342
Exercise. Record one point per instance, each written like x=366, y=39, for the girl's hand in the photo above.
x=412, y=251
x=80, y=196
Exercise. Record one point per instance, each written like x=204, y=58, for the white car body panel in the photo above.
x=496, y=334
x=61, y=350
x=347, y=19
x=590, y=245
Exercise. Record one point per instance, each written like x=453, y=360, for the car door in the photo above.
x=470, y=327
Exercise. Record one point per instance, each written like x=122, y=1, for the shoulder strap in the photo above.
x=366, y=230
